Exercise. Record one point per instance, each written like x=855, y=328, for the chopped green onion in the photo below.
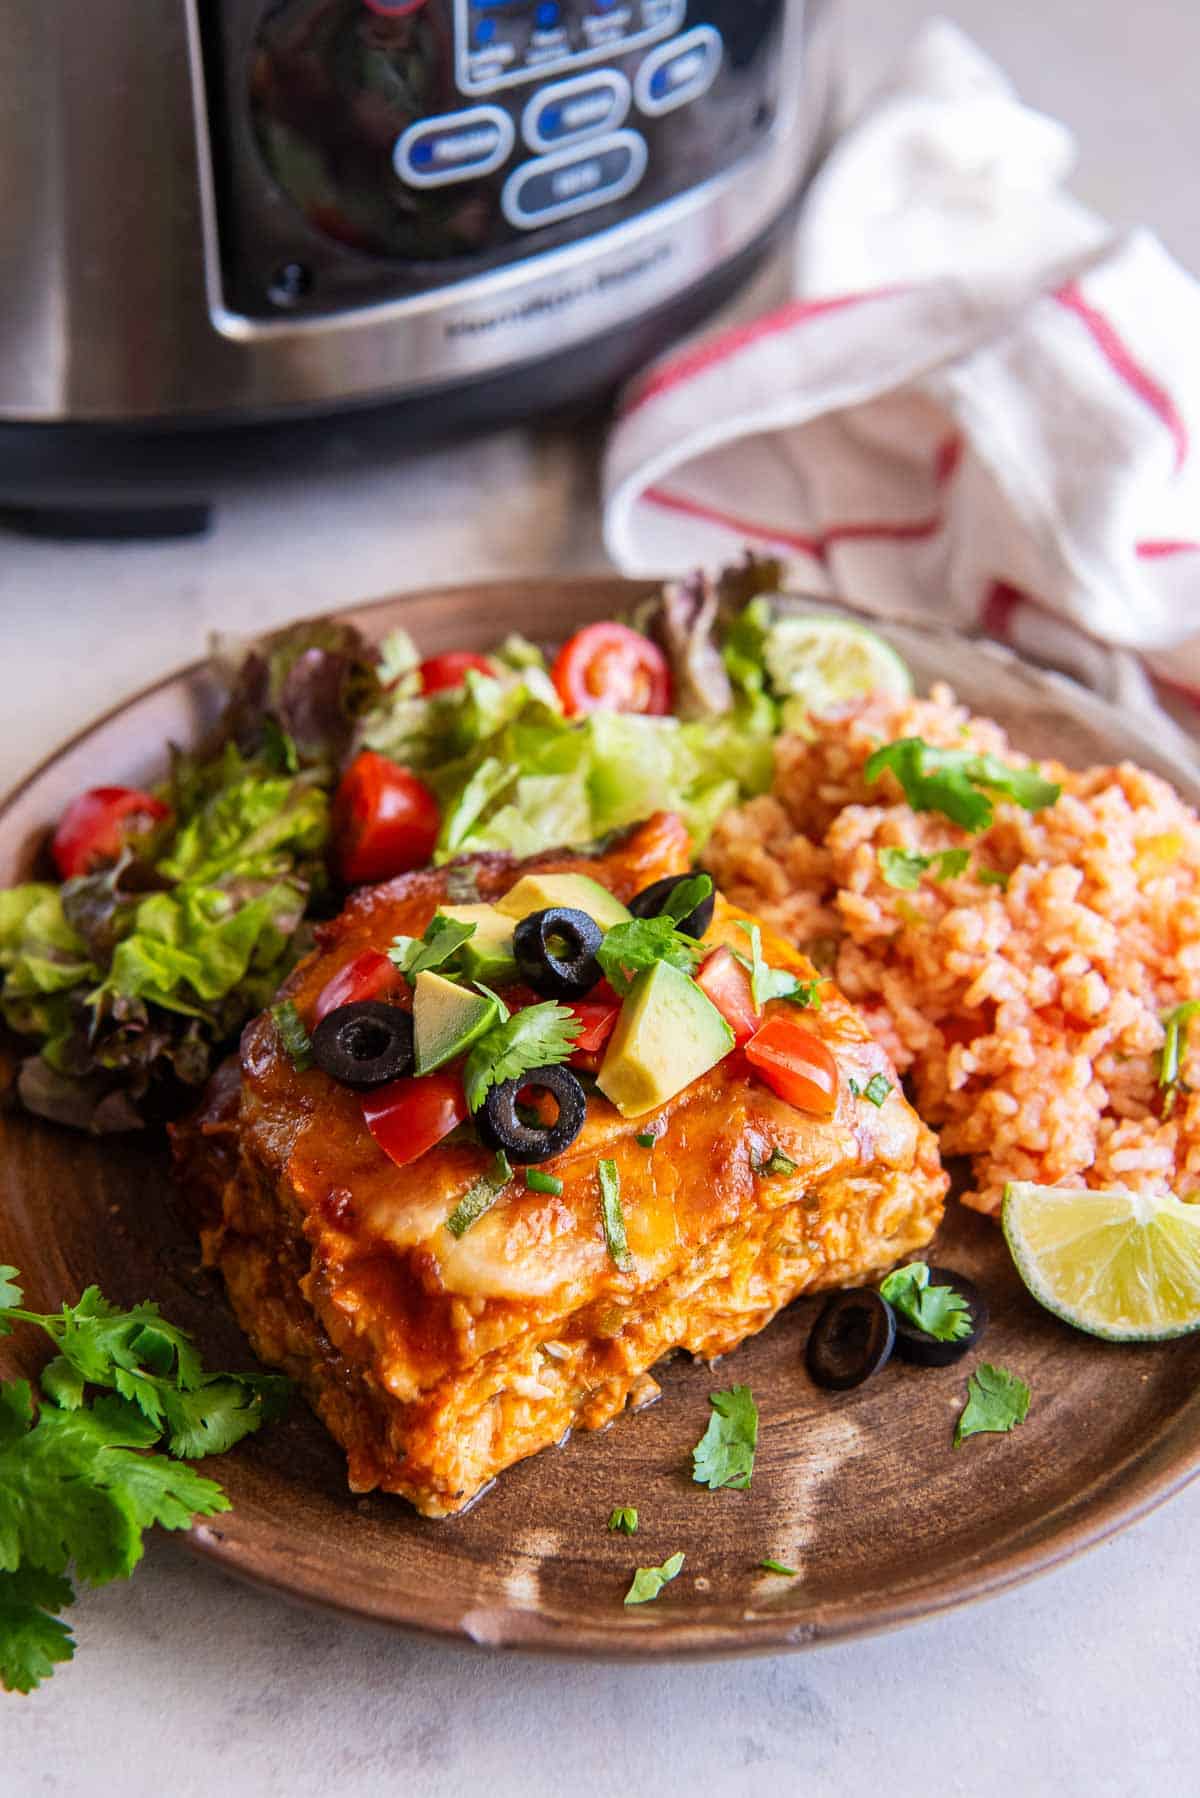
x=537, y=1181
x=645, y=1139
x=612, y=1214
x=292, y=1034
x=772, y=1566
x=480, y=1197
x=877, y=1089
x=1170, y=1060
x=774, y=1163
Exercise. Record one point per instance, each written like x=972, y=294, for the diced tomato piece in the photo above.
x=385, y=820
x=612, y=667
x=369, y=975
x=795, y=1064
x=598, y=1015
x=727, y=984
x=440, y=673
x=408, y=1116
x=94, y=828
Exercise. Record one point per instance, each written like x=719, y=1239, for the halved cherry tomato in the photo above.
x=94, y=827
x=608, y=665
x=408, y=1116
x=450, y=670
x=385, y=820
x=796, y=1065
x=369, y=975
x=727, y=984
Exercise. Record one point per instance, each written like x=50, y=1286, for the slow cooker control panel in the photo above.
x=371, y=148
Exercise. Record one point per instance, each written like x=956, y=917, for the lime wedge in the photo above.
x=818, y=663
x=1122, y=1265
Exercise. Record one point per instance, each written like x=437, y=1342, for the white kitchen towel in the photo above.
x=980, y=406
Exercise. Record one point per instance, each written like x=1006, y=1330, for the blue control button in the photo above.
x=459, y=146
x=572, y=181
x=568, y=111
x=548, y=16
x=680, y=71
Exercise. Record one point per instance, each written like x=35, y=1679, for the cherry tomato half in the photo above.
x=94, y=827
x=369, y=975
x=385, y=820
x=796, y=1065
x=727, y=984
x=440, y=673
x=408, y=1116
x=608, y=665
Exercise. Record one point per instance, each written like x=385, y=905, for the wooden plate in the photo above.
x=862, y=1492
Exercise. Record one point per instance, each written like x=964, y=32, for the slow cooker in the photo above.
x=225, y=219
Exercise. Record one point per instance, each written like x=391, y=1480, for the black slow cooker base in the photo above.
x=142, y=479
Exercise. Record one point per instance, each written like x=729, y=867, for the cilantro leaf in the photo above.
x=538, y=1037
x=772, y=1566
x=774, y=983
x=996, y=1401
x=938, y=1310
x=950, y=781
x=629, y=948
x=624, y=1520
x=648, y=1582
x=724, y=1455
x=480, y=1197
x=33, y=1640
x=72, y=1489
x=443, y=938
x=10, y=1292
x=612, y=1216
x=992, y=877
x=903, y=868
x=685, y=897
x=292, y=1034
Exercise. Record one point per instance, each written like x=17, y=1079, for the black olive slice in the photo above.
x=924, y=1350
x=555, y=951
x=851, y=1340
x=505, y=1123
x=365, y=1044
x=651, y=900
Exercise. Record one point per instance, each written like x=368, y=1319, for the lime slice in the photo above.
x=819, y=662
x=1122, y=1265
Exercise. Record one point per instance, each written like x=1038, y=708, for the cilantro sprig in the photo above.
x=541, y=1036
x=628, y=949
x=997, y=1401
x=938, y=1310
x=443, y=939
x=724, y=1455
x=79, y=1485
x=958, y=782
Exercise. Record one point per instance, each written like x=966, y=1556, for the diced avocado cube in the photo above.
x=488, y=955
x=538, y=892
x=447, y=1019
x=668, y=1034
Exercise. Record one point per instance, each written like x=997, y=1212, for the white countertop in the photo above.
x=188, y=1683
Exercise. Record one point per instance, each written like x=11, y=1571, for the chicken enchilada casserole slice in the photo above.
x=451, y=1311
